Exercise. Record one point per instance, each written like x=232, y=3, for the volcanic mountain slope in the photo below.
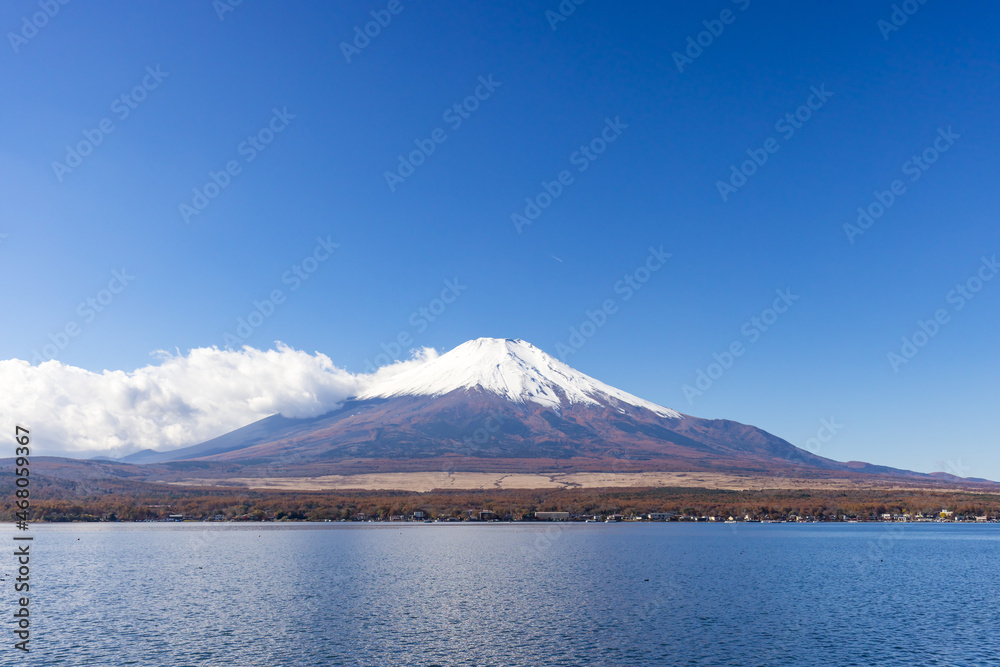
x=500, y=405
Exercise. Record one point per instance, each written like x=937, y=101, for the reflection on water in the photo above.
x=519, y=594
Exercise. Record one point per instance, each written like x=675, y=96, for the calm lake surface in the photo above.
x=515, y=594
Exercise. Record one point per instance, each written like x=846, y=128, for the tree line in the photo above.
x=54, y=499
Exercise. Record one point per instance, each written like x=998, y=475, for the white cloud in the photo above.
x=182, y=400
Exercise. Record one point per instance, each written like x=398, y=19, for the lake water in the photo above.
x=515, y=594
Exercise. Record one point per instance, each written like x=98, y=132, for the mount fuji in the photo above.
x=500, y=405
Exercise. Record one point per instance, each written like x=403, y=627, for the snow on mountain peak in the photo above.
x=511, y=368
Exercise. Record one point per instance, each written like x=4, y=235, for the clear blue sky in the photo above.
x=655, y=184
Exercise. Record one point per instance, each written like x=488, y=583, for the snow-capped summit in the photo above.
x=513, y=369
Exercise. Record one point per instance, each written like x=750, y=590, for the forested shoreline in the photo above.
x=56, y=500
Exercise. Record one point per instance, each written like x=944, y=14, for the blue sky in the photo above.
x=328, y=127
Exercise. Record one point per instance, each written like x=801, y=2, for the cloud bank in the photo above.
x=182, y=400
